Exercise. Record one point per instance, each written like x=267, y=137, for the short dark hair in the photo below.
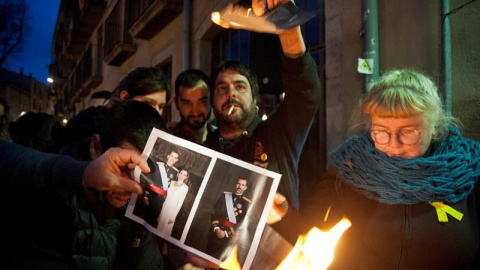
x=189, y=78
x=130, y=121
x=176, y=150
x=86, y=123
x=39, y=131
x=243, y=178
x=240, y=68
x=143, y=81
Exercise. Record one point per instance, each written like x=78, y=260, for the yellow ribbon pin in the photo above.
x=443, y=209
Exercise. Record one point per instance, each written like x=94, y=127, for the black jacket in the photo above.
x=398, y=236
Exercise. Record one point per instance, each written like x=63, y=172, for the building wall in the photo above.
x=24, y=94
x=18, y=100
x=344, y=84
x=40, y=97
x=466, y=66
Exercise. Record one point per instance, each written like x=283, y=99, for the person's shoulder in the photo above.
x=246, y=199
x=173, y=127
x=227, y=192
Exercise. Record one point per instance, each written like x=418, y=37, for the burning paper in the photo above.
x=231, y=263
x=315, y=250
x=311, y=252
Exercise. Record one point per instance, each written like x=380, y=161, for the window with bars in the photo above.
x=116, y=28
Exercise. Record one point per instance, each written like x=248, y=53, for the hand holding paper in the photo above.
x=279, y=209
x=279, y=18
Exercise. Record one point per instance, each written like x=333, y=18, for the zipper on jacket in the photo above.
x=407, y=235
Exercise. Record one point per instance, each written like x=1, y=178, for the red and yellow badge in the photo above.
x=258, y=150
x=260, y=158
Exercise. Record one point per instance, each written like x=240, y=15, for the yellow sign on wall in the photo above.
x=365, y=66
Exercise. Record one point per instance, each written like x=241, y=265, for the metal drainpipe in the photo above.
x=187, y=16
x=370, y=16
x=446, y=81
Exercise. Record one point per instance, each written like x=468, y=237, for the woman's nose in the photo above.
x=394, y=140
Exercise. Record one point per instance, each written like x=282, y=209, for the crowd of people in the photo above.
x=407, y=181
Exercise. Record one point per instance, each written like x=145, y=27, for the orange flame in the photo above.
x=231, y=263
x=312, y=251
x=315, y=250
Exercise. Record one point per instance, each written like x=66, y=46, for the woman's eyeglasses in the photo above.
x=406, y=136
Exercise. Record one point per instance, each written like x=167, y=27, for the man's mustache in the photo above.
x=232, y=102
x=193, y=117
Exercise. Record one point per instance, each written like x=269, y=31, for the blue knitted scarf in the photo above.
x=449, y=174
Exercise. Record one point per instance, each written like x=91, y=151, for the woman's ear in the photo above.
x=95, y=146
x=123, y=95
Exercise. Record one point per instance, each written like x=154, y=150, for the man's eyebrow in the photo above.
x=220, y=82
x=238, y=81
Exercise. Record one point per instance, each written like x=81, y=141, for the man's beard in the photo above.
x=196, y=124
x=235, y=121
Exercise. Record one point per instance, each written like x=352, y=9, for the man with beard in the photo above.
x=192, y=98
x=276, y=143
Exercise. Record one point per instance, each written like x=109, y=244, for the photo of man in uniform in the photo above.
x=226, y=219
x=170, y=168
x=149, y=204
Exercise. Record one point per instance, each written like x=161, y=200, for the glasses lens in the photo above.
x=381, y=137
x=409, y=137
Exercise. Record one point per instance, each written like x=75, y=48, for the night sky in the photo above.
x=37, y=46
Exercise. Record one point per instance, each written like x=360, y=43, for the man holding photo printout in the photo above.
x=276, y=143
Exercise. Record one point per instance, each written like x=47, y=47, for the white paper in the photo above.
x=211, y=174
